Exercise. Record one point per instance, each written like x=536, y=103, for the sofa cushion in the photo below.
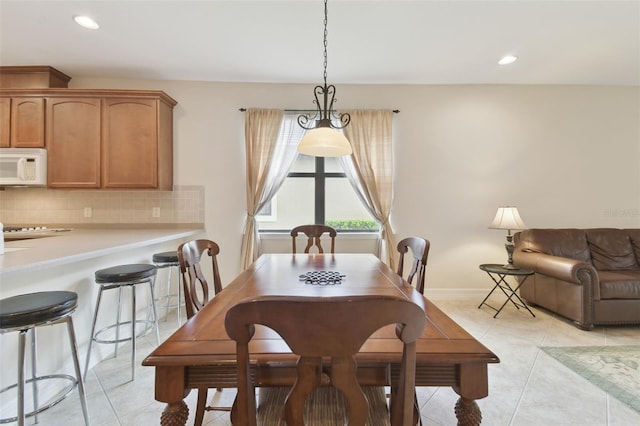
x=619, y=284
x=570, y=243
x=611, y=249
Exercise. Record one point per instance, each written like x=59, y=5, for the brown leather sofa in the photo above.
x=591, y=276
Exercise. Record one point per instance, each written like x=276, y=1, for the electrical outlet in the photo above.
x=88, y=212
x=155, y=212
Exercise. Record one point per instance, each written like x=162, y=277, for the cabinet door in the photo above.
x=130, y=148
x=5, y=122
x=27, y=122
x=73, y=142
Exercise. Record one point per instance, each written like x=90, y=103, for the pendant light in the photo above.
x=323, y=138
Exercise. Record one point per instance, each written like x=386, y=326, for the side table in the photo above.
x=498, y=273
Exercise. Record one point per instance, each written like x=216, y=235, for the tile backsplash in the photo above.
x=35, y=206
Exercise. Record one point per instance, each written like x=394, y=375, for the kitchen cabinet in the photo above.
x=5, y=122
x=22, y=122
x=137, y=146
x=73, y=136
x=102, y=139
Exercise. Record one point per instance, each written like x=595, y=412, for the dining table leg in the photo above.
x=467, y=412
x=175, y=414
x=170, y=387
x=473, y=385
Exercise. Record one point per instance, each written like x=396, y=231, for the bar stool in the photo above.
x=24, y=313
x=118, y=277
x=169, y=259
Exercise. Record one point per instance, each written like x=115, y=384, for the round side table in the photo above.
x=498, y=274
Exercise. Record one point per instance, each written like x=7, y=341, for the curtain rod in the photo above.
x=304, y=110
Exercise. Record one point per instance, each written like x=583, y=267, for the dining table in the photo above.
x=201, y=354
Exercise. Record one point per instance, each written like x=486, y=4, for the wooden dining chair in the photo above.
x=196, y=295
x=334, y=328
x=420, y=251
x=313, y=233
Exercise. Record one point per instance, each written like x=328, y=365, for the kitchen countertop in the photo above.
x=83, y=243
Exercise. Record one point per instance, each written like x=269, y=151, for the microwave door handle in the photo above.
x=21, y=165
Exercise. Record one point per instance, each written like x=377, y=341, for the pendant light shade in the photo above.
x=324, y=142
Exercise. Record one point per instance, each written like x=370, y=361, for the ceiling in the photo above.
x=369, y=42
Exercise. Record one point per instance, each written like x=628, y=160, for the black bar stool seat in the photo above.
x=117, y=277
x=36, y=308
x=25, y=312
x=125, y=273
x=166, y=257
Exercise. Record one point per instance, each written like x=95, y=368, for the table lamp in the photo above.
x=508, y=218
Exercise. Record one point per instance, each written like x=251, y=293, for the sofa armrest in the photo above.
x=562, y=268
x=569, y=272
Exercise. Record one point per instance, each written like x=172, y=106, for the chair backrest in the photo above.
x=420, y=251
x=195, y=286
x=331, y=327
x=313, y=233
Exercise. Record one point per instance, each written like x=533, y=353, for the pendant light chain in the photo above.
x=325, y=117
x=325, y=42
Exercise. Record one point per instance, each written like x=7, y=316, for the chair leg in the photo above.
x=202, y=404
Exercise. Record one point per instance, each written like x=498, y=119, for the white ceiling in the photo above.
x=369, y=42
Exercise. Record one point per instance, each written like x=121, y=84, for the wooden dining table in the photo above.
x=200, y=354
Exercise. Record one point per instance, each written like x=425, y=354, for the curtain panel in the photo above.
x=262, y=127
x=370, y=170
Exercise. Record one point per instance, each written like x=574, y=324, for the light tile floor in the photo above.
x=527, y=388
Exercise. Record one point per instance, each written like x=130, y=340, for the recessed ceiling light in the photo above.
x=509, y=59
x=85, y=21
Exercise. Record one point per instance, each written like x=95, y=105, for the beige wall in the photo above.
x=567, y=156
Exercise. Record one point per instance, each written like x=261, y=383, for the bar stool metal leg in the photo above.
x=133, y=332
x=21, y=342
x=34, y=373
x=115, y=353
x=76, y=366
x=93, y=329
x=154, y=309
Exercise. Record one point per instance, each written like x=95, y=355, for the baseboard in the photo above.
x=455, y=293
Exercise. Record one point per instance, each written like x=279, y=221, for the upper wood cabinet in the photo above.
x=137, y=147
x=95, y=138
x=5, y=122
x=22, y=122
x=73, y=142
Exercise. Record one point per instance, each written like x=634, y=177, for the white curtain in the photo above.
x=370, y=170
x=270, y=152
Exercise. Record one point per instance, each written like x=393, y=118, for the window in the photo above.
x=316, y=190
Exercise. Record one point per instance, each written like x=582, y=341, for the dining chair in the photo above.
x=313, y=233
x=196, y=296
x=420, y=251
x=308, y=330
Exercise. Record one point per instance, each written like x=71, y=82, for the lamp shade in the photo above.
x=324, y=142
x=507, y=218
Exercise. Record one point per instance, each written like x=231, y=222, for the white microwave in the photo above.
x=23, y=167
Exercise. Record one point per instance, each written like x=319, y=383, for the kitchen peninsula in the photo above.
x=68, y=261
x=82, y=244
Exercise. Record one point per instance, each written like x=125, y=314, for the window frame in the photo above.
x=319, y=177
